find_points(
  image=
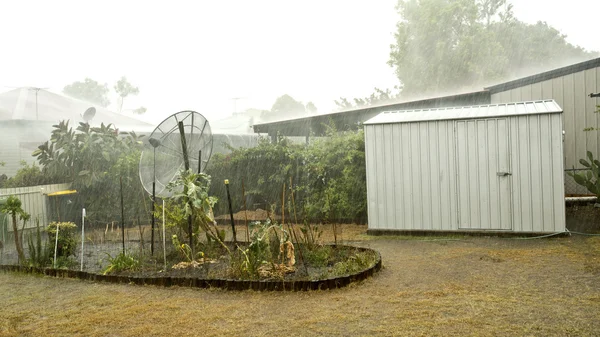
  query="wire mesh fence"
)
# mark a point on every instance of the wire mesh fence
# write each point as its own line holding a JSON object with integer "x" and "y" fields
{"x": 105, "y": 238}
{"x": 572, "y": 188}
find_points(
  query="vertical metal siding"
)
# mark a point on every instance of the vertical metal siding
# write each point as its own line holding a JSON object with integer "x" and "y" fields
{"x": 412, "y": 174}
{"x": 371, "y": 179}
{"x": 570, "y": 92}
{"x": 538, "y": 188}
{"x": 33, "y": 200}
{"x": 591, "y": 138}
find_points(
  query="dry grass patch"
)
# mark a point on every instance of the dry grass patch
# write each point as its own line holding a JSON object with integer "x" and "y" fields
{"x": 539, "y": 288}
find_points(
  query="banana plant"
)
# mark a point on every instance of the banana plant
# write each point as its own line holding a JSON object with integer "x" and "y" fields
{"x": 590, "y": 179}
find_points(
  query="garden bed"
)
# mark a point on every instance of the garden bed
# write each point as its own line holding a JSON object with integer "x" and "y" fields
{"x": 335, "y": 271}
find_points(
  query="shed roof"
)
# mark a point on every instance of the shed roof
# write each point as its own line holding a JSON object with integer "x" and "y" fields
{"x": 468, "y": 112}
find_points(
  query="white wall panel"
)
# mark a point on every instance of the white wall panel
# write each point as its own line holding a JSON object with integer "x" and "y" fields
{"x": 571, "y": 93}
{"x": 33, "y": 200}
{"x": 413, "y": 172}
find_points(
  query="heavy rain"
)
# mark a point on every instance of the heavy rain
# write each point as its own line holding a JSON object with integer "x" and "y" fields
{"x": 393, "y": 167}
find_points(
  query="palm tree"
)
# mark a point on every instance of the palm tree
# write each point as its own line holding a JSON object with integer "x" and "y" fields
{"x": 13, "y": 207}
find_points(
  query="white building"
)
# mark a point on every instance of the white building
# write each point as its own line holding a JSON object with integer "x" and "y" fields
{"x": 494, "y": 168}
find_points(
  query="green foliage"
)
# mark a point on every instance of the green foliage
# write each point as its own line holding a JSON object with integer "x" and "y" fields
{"x": 184, "y": 250}
{"x": 13, "y": 208}
{"x": 378, "y": 97}
{"x": 264, "y": 169}
{"x": 319, "y": 256}
{"x": 29, "y": 176}
{"x": 94, "y": 159}
{"x": 329, "y": 176}
{"x": 286, "y": 105}
{"x": 39, "y": 255}
{"x": 263, "y": 248}
{"x": 67, "y": 241}
{"x": 122, "y": 262}
{"x": 590, "y": 179}
{"x": 311, "y": 235}
{"x": 446, "y": 45}
{"x": 88, "y": 90}
{"x": 355, "y": 263}
{"x": 335, "y": 189}
{"x": 123, "y": 88}
{"x": 191, "y": 193}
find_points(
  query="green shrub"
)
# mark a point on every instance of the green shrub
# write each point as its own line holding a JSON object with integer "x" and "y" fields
{"x": 319, "y": 256}
{"x": 329, "y": 176}
{"x": 122, "y": 262}
{"x": 39, "y": 256}
{"x": 67, "y": 242}
{"x": 355, "y": 263}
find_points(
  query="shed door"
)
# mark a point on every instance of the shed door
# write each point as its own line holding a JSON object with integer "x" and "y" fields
{"x": 484, "y": 176}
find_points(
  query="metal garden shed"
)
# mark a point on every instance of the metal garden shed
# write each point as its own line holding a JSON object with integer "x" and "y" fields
{"x": 493, "y": 168}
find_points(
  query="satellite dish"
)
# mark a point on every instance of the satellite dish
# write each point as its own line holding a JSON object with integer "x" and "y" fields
{"x": 89, "y": 114}
{"x": 163, "y": 157}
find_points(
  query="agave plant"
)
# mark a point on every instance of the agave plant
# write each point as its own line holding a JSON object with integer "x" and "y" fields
{"x": 591, "y": 177}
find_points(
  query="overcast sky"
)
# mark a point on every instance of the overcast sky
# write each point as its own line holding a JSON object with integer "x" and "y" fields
{"x": 200, "y": 55}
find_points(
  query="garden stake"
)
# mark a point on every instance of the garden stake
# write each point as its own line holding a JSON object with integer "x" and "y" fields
{"x": 82, "y": 236}
{"x": 199, "y": 161}
{"x": 164, "y": 239}
{"x": 283, "y": 204}
{"x": 294, "y": 236}
{"x": 245, "y": 212}
{"x": 122, "y": 214}
{"x": 293, "y": 203}
{"x": 329, "y": 218}
{"x": 186, "y": 162}
{"x": 153, "y": 219}
{"x": 230, "y": 211}
{"x": 56, "y": 243}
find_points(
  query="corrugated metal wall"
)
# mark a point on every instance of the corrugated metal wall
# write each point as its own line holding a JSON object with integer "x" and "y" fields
{"x": 414, "y": 183}
{"x": 571, "y": 93}
{"x": 33, "y": 200}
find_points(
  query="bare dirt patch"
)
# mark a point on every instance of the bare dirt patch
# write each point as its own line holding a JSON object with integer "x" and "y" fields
{"x": 429, "y": 287}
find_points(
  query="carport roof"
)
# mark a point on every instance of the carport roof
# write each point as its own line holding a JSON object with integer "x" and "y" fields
{"x": 467, "y": 112}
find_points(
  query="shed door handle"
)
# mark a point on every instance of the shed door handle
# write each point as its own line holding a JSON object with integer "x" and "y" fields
{"x": 504, "y": 174}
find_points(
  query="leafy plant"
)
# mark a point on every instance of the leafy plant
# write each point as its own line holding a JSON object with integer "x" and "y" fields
{"x": 354, "y": 263}
{"x": 311, "y": 235}
{"x": 191, "y": 193}
{"x": 591, "y": 177}
{"x": 269, "y": 245}
{"x": 13, "y": 207}
{"x": 184, "y": 250}
{"x": 328, "y": 174}
{"x": 39, "y": 256}
{"x": 94, "y": 159}
{"x": 319, "y": 256}
{"x": 121, "y": 262}
{"x": 67, "y": 242}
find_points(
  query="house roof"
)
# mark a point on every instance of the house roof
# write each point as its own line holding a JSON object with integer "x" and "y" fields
{"x": 22, "y": 104}
{"x": 468, "y": 112}
{"x": 548, "y": 75}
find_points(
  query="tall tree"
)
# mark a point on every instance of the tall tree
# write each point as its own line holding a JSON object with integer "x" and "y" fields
{"x": 379, "y": 96}
{"x": 287, "y": 104}
{"x": 123, "y": 88}
{"x": 446, "y": 45}
{"x": 13, "y": 208}
{"x": 311, "y": 107}
{"x": 88, "y": 90}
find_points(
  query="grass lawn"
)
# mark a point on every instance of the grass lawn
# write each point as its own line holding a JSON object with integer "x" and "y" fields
{"x": 429, "y": 287}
